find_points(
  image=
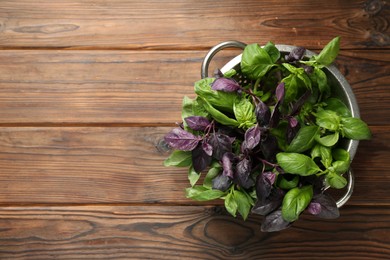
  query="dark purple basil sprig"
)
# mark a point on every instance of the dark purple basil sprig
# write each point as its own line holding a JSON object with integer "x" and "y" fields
{"x": 203, "y": 147}
{"x": 256, "y": 141}
{"x": 226, "y": 85}
{"x": 323, "y": 206}
{"x": 276, "y": 114}
{"x": 197, "y": 123}
{"x": 201, "y": 158}
{"x": 296, "y": 54}
{"x": 274, "y": 221}
{"x": 182, "y": 140}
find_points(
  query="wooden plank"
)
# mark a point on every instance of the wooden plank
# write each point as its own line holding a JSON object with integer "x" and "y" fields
{"x": 188, "y": 25}
{"x": 94, "y": 87}
{"x": 156, "y": 232}
{"x": 76, "y": 165}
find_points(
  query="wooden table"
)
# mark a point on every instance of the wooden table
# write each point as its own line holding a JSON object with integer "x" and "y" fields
{"x": 88, "y": 89}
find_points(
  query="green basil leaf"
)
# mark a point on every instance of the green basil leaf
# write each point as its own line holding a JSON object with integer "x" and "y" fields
{"x": 337, "y": 106}
{"x": 325, "y": 153}
{"x": 355, "y": 128}
{"x": 329, "y": 52}
{"x": 328, "y": 120}
{"x": 341, "y": 155}
{"x": 304, "y": 139}
{"x": 243, "y": 203}
{"x": 342, "y": 163}
{"x": 296, "y": 163}
{"x": 305, "y": 79}
{"x": 291, "y": 84}
{"x": 255, "y": 62}
{"x": 179, "y": 159}
{"x": 299, "y": 77}
{"x": 221, "y": 100}
{"x": 285, "y": 184}
{"x": 322, "y": 80}
{"x": 198, "y": 108}
{"x": 340, "y": 167}
{"x": 201, "y": 193}
{"x": 219, "y": 116}
{"x": 213, "y": 172}
{"x": 328, "y": 140}
{"x": 193, "y": 176}
{"x": 292, "y": 69}
{"x": 244, "y": 113}
{"x": 186, "y": 108}
{"x": 230, "y": 73}
{"x": 272, "y": 51}
{"x": 231, "y": 204}
{"x": 335, "y": 180}
{"x": 295, "y": 202}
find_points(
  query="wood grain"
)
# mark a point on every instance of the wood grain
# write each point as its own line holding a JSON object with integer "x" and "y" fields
{"x": 155, "y": 232}
{"x": 77, "y": 165}
{"x": 88, "y": 89}
{"x": 192, "y": 24}
{"x": 96, "y": 87}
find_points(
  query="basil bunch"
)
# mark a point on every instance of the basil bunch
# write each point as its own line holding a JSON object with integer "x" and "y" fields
{"x": 268, "y": 143}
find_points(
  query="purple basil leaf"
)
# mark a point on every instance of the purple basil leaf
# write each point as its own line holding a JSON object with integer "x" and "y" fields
{"x": 225, "y": 84}
{"x": 329, "y": 208}
{"x": 221, "y": 144}
{"x": 200, "y": 159}
{"x": 243, "y": 172}
{"x": 197, "y": 123}
{"x": 270, "y": 176}
{"x": 274, "y": 222}
{"x": 207, "y": 148}
{"x": 292, "y": 129}
{"x": 314, "y": 208}
{"x": 263, "y": 187}
{"x": 263, "y": 113}
{"x": 296, "y": 54}
{"x": 279, "y": 92}
{"x": 227, "y": 165}
{"x": 298, "y": 105}
{"x": 293, "y": 122}
{"x": 182, "y": 140}
{"x": 269, "y": 147}
{"x": 221, "y": 182}
{"x": 252, "y": 137}
{"x": 275, "y": 117}
{"x": 270, "y": 204}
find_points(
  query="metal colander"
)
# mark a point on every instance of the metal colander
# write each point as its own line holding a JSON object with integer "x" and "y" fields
{"x": 340, "y": 89}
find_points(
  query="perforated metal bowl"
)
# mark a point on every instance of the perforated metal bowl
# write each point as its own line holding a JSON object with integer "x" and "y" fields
{"x": 340, "y": 89}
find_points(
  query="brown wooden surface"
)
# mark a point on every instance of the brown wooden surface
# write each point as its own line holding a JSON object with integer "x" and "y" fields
{"x": 89, "y": 88}
{"x": 123, "y": 164}
{"x": 76, "y": 87}
{"x": 186, "y": 232}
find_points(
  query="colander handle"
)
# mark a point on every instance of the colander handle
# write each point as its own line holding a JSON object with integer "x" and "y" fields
{"x": 215, "y": 50}
{"x": 348, "y": 193}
